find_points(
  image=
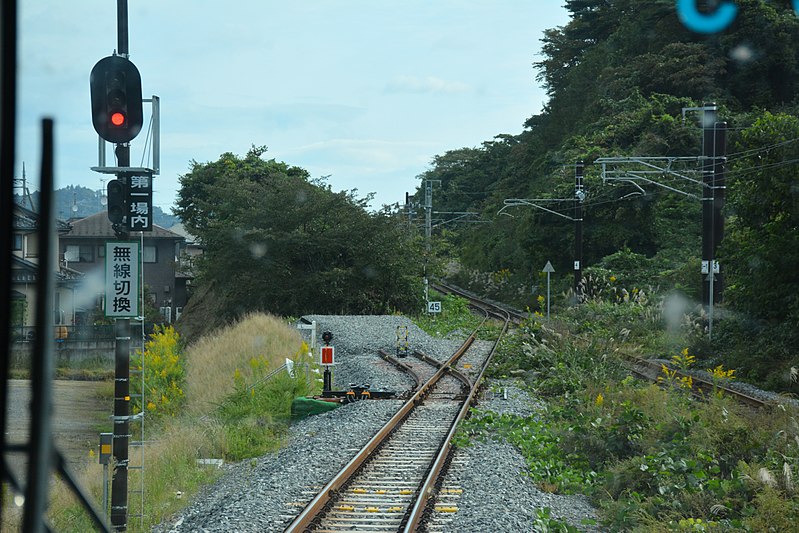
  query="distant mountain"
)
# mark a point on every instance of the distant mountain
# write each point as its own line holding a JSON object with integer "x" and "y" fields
{"x": 77, "y": 202}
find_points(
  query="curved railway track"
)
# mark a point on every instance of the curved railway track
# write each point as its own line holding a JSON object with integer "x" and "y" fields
{"x": 389, "y": 484}
{"x": 700, "y": 386}
{"x": 645, "y": 369}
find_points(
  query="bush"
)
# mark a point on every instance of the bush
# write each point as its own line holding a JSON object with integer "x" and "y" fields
{"x": 255, "y": 417}
{"x": 163, "y": 373}
{"x": 455, "y": 315}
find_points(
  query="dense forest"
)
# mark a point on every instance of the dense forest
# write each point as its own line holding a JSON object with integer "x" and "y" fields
{"x": 624, "y": 79}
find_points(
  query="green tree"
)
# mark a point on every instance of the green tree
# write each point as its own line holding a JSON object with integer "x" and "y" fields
{"x": 275, "y": 240}
{"x": 761, "y": 247}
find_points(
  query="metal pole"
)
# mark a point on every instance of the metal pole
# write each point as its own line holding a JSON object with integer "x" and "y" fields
{"x": 119, "y": 482}
{"x": 711, "y": 277}
{"x": 122, "y": 28}
{"x": 40, "y": 442}
{"x": 708, "y": 167}
{"x": 579, "y": 196}
{"x": 719, "y": 186}
{"x": 428, "y": 212}
{"x": 156, "y": 108}
{"x": 100, "y": 151}
{"x": 548, "y": 298}
{"x": 8, "y": 93}
{"x": 105, "y": 490}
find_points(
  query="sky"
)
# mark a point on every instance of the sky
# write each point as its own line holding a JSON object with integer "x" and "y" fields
{"x": 365, "y": 92}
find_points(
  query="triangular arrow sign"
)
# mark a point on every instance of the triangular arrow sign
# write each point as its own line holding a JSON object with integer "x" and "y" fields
{"x": 548, "y": 268}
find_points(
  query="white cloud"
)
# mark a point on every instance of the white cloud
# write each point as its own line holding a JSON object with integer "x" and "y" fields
{"x": 430, "y": 84}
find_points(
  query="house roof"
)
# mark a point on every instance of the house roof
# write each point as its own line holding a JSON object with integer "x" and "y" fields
{"x": 98, "y": 225}
{"x": 23, "y": 270}
{"x": 26, "y": 220}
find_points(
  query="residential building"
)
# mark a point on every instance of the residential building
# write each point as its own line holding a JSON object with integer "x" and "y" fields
{"x": 25, "y": 272}
{"x": 190, "y": 251}
{"x": 83, "y": 249}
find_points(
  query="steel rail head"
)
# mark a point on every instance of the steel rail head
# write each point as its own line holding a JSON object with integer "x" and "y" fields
{"x": 321, "y": 500}
{"x": 402, "y": 366}
{"x": 426, "y": 490}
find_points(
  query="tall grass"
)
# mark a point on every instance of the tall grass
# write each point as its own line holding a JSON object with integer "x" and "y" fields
{"x": 213, "y": 362}
{"x": 230, "y": 412}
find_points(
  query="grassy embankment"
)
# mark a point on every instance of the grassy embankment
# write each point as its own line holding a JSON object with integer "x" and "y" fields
{"x": 210, "y": 400}
{"x": 652, "y": 459}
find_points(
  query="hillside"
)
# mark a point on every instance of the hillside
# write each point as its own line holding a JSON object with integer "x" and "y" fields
{"x": 624, "y": 79}
{"x": 74, "y": 201}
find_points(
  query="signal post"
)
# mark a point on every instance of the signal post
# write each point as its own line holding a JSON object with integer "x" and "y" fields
{"x": 117, "y": 116}
{"x": 328, "y": 354}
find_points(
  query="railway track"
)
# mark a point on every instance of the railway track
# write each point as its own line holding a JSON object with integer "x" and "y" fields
{"x": 642, "y": 368}
{"x": 494, "y": 308}
{"x": 390, "y": 484}
{"x": 700, "y": 386}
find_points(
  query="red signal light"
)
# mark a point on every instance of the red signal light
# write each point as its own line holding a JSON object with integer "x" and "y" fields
{"x": 117, "y": 119}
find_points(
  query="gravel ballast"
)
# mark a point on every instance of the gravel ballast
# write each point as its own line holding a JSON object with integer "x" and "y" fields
{"x": 264, "y": 493}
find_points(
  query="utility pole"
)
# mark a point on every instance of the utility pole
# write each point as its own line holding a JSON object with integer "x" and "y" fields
{"x": 719, "y": 188}
{"x": 428, "y": 229}
{"x": 579, "y": 198}
{"x": 119, "y": 481}
{"x": 714, "y": 145}
{"x": 713, "y": 177}
{"x": 428, "y": 211}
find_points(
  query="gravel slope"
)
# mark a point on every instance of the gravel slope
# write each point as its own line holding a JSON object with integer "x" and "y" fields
{"x": 263, "y": 494}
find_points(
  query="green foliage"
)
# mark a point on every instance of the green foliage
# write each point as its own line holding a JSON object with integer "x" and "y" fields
{"x": 276, "y": 240}
{"x": 548, "y": 465}
{"x": 762, "y": 245}
{"x": 163, "y": 370}
{"x": 256, "y": 416}
{"x": 760, "y": 251}
{"x": 544, "y": 523}
{"x": 652, "y": 459}
{"x": 619, "y": 75}
{"x": 455, "y": 316}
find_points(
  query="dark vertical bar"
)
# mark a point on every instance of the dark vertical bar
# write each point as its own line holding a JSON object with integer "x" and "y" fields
{"x": 579, "y": 196}
{"x": 122, "y": 28}
{"x": 8, "y": 93}
{"x": 40, "y": 444}
{"x": 708, "y": 153}
{"x": 719, "y": 186}
{"x": 119, "y": 482}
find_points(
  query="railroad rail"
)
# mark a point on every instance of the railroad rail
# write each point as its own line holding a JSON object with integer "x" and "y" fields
{"x": 494, "y": 308}
{"x": 642, "y": 368}
{"x": 700, "y": 386}
{"x": 391, "y": 481}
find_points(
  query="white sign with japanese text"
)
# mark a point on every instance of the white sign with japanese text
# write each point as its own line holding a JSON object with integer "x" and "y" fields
{"x": 122, "y": 279}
